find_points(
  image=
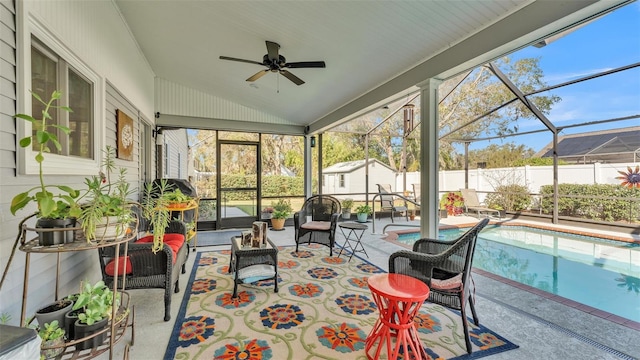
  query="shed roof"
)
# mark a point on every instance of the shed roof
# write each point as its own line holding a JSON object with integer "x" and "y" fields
{"x": 350, "y": 166}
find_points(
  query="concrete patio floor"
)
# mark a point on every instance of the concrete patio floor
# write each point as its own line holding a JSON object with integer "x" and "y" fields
{"x": 543, "y": 328}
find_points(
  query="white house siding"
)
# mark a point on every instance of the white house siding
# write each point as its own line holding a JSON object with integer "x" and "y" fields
{"x": 178, "y": 154}
{"x": 176, "y": 99}
{"x": 97, "y": 35}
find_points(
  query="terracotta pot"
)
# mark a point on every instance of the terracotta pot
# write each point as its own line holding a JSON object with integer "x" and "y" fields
{"x": 277, "y": 224}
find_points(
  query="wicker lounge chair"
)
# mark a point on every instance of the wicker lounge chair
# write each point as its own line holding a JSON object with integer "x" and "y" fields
{"x": 323, "y": 212}
{"x": 445, "y": 266}
{"x": 471, "y": 203}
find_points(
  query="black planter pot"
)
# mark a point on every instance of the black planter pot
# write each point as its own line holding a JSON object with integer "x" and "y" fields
{"x": 54, "y": 311}
{"x": 48, "y": 238}
{"x": 84, "y": 330}
{"x": 69, "y": 324}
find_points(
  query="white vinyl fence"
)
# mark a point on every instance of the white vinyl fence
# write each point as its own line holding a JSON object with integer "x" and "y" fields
{"x": 486, "y": 180}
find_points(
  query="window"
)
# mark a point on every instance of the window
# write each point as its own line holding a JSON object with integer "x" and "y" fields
{"x": 341, "y": 181}
{"x": 50, "y": 72}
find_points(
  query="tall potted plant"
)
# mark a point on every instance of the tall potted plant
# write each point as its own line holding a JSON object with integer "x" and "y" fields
{"x": 155, "y": 202}
{"x": 281, "y": 211}
{"x": 55, "y": 210}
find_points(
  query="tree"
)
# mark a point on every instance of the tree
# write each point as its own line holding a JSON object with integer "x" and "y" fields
{"x": 498, "y": 156}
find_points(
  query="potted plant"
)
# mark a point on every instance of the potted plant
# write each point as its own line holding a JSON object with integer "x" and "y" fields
{"x": 281, "y": 211}
{"x": 95, "y": 303}
{"x": 412, "y": 214}
{"x": 267, "y": 213}
{"x": 452, "y": 202}
{"x": 176, "y": 199}
{"x": 52, "y": 340}
{"x": 347, "y": 204}
{"x": 55, "y": 210}
{"x": 107, "y": 214}
{"x": 54, "y": 312}
{"x": 362, "y": 212}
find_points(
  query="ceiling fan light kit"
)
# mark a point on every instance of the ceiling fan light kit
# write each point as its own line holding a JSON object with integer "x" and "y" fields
{"x": 278, "y": 64}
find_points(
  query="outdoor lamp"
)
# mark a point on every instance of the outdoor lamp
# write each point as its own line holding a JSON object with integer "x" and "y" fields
{"x": 313, "y": 141}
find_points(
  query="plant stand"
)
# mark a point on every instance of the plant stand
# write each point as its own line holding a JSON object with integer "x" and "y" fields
{"x": 192, "y": 232}
{"x": 122, "y": 317}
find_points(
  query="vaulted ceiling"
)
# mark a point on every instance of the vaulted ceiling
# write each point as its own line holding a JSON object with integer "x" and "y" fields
{"x": 374, "y": 50}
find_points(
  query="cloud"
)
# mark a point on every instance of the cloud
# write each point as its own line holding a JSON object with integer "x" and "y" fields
{"x": 554, "y": 79}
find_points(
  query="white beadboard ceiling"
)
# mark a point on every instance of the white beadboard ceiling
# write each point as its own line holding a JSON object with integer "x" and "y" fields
{"x": 366, "y": 45}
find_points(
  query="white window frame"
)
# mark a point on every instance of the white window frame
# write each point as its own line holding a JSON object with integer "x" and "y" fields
{"x": 56, "y": 164}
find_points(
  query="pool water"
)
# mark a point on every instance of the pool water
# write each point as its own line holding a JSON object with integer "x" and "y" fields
{"x": 600, "y": 273}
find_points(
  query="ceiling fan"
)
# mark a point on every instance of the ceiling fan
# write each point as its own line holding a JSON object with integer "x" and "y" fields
{"x": 277, "y": 63}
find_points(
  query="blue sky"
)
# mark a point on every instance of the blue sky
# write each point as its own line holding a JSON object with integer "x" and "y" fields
{"x": 609, "y": 42}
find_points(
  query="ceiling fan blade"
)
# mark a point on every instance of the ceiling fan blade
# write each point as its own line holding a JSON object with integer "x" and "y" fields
{"x": 241, "y": 60}
{"x": 292, "y": 77}
{"x": 272, "y": 50}
{"x": 258, "y": 75}
{"x": 305, "y": 64}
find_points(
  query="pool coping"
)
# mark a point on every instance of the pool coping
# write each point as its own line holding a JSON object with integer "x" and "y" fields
{"x": 393, "y": 235}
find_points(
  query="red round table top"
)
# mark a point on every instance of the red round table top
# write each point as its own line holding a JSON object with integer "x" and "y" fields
{"x": 398, "y": 286}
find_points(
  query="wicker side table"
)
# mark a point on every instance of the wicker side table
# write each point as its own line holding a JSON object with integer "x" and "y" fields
{"x": 242, "y": 258}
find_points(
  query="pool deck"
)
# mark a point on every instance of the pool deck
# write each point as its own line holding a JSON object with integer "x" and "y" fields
{"x": 545, "y": 326}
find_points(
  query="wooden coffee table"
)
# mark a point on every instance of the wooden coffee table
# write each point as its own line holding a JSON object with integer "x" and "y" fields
{"x": 246, "y": 258}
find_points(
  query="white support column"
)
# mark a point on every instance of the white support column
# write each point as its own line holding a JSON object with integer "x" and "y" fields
{"x": 429, "y": 158}
{"x": 307, "y": 166}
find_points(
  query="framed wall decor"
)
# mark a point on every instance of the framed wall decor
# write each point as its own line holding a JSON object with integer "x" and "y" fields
{"x": 125, "y": 136}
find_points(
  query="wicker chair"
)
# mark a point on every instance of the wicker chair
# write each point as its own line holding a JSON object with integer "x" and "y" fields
{"x": 323, "y": 212}
{"x": 445, "y": 266}
{"x": 146, "y": 269}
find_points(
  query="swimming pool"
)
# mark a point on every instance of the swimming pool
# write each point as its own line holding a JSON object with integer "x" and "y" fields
{"x": 600, "y": 273}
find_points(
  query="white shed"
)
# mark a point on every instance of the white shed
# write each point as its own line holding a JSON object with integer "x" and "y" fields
{"x": 349, "y": 177}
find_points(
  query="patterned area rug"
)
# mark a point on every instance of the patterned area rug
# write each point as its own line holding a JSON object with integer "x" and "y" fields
{"x": 323, "y": 310}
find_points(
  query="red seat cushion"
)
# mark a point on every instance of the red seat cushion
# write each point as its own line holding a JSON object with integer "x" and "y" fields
{"x": 122, "y": 261}
{"x": 174, "y": 241}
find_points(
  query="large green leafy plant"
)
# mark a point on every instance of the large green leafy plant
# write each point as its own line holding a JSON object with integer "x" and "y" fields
{"x": 95, "y": 301}
{"x": 282, "y": 209}
{"x": 62, "y": 203}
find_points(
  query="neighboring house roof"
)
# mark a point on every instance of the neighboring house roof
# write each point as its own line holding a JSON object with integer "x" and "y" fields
{"x": 349, "y": 166}
{"x": 617, "y": 145}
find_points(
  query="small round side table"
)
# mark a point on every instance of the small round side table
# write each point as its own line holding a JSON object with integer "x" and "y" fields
{"x": 398, "y": 298}
{"x": 355, "y": 234}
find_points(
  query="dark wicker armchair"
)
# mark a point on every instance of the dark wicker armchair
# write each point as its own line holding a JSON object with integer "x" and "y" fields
{"x": 323, "y": 212}
{"x": 146, "y": 270}
{"x": 445, "y": 266}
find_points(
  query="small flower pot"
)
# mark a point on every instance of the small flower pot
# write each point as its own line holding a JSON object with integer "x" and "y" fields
{"x": 57, "y": 236}
{"x": 54, "y": 311}
{"x": 277, "y": 224}
{"x": 362, "y": 217}
{"x": 346, "y": 214}
{"x": 84, "y": 330}
{"x": 57, "y": 346}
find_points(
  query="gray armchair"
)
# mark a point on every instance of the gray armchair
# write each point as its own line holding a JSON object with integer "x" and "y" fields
{"x": 445, "y": 266}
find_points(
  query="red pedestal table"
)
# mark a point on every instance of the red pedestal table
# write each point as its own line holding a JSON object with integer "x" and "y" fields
{"x": 398, "y": 298}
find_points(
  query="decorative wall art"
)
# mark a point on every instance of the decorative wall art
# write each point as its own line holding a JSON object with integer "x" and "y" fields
{"x": 125, "y": 136}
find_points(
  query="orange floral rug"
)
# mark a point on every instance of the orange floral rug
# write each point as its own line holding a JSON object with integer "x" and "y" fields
{"x": 323, "y": 310}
